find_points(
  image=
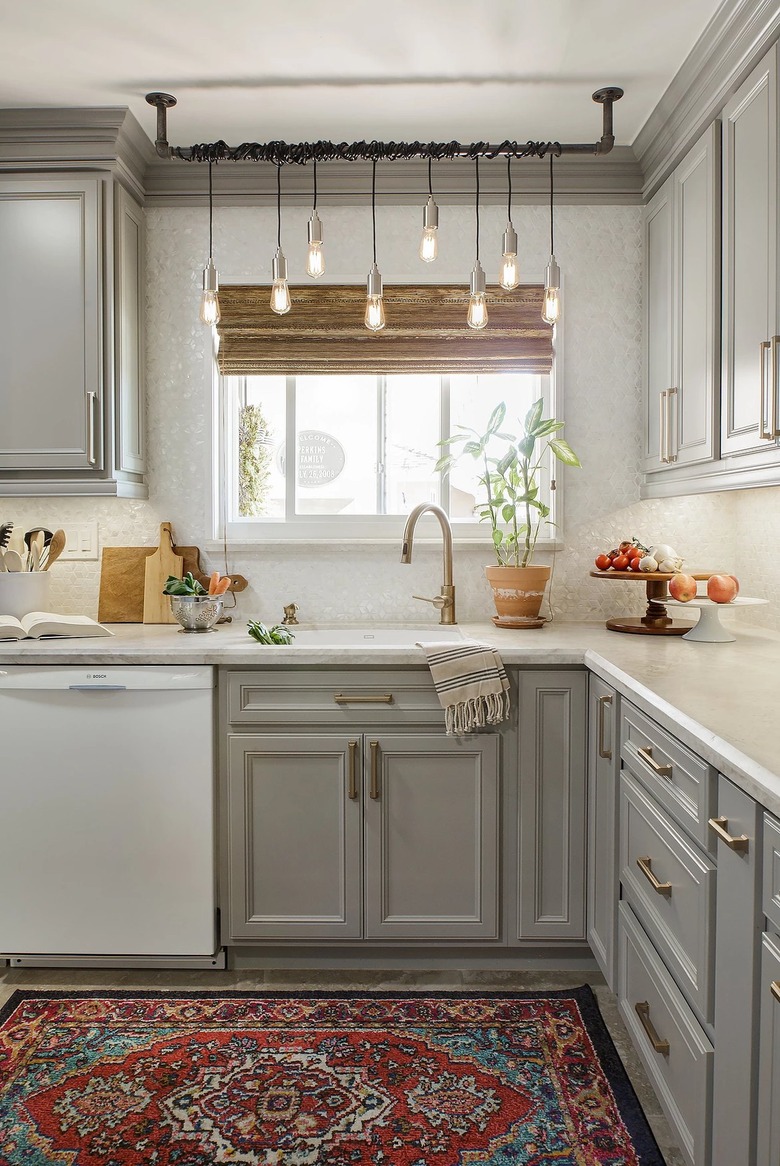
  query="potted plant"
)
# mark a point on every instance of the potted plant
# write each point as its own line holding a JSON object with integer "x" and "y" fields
{"x": 516, "y": 513}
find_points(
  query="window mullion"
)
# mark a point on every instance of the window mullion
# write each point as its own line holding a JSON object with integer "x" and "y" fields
{"x": 444, "y": 432}
{"x": 291, "y": 446}
{"x": 381, "y": 439}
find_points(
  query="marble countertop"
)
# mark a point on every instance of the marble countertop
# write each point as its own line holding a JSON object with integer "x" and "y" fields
{"x": 720, "y": 699}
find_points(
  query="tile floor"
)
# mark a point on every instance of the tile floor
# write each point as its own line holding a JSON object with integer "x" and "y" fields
{"x": 507, "y": 981}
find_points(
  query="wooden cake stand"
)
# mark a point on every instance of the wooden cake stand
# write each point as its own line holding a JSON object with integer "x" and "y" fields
{"x": 655, "y": 621}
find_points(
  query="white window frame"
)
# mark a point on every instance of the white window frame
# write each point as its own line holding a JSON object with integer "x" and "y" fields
{"x": 349, "y": 528}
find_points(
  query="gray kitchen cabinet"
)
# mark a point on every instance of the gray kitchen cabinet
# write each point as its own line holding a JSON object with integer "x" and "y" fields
{"x": 768, "y": 1124}
{"x": 293, "y": 837}
{"x": 750, "y": 409}
{"x": 682, "y": 224}
{"x": 431, "y": 808}
{"x": 551, "y": 824}
{"x": 71, "y": 340}
{"x": 603, "y": 875}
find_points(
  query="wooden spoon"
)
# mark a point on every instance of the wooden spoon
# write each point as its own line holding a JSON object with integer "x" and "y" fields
{"x": 13, "y": 561}
{"x": 55, "y": 548}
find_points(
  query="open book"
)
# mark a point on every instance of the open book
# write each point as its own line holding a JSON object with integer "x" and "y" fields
{"x": 38, "y": 624}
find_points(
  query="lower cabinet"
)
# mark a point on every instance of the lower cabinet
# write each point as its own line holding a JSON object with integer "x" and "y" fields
{"x": 364, "y": 836}
{"x": 769, "y": 1060}
{"x": 603, "y": 875}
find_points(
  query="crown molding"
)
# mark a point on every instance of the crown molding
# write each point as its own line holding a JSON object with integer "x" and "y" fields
{"x": 738, "y": 35}
{"x": 614, "y": 178}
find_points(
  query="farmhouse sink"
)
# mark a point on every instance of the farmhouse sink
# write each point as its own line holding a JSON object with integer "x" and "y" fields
{"x": 375, "y": 637}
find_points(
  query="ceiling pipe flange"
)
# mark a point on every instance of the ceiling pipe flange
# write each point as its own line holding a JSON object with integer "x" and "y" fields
{"x": 162, "y": 103}
{"x": 607, "y": 97}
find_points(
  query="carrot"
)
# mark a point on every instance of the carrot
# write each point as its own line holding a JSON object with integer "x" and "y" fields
{"x": 223, "y": 585}
{"x": 213, "y": 583}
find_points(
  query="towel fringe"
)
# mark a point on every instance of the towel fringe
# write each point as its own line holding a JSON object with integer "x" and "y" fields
{"x": 469, "y": 715}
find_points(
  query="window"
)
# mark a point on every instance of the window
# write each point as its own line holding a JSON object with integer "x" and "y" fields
{"x": 325, "y": 457}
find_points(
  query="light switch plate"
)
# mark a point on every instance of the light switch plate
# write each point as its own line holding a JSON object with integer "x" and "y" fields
{"x": 82, "y": 541}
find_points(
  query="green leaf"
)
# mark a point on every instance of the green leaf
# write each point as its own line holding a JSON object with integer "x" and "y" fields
{"x": 508, "y": 512}
{"x": 496, "y": 417}
{"x": 534, "y": 416}
{"x": 506, "y": 436}
{"x": 498, "y": 537}
{"x": 444, "y": 463}
{"x": 564, "y": 452}
{"x": 451, "y": 440}
{"x": 475, "y": 448}
{"x": 507, "y": 461}
{"x": 547, "y": 427}
{"x": 525, "y": 447}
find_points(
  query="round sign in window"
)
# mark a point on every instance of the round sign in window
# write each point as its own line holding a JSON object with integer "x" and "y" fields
{"x": 321, "y": 458}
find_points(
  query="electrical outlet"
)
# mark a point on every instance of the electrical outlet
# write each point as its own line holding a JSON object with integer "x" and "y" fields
{"x": 82, "y": 541}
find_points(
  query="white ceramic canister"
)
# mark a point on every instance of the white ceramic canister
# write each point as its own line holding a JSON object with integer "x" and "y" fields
{"x": 24, "y": 591}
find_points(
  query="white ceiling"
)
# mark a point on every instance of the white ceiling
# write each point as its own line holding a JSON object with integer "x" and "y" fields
{"x": 348, "y": 69}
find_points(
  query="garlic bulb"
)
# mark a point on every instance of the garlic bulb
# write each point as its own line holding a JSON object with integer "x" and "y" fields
{"x": 648, "y": 563}
{"x": 663, "y": 551}
{"x": 670, "y": 566}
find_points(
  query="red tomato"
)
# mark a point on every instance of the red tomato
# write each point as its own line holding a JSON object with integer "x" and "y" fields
{"x": 603, "y": 562}
{"x": 620, "y": 563}
{"x": 634, "y": 563}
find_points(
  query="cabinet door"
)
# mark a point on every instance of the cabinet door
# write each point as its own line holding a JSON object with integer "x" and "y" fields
{"x": 750, "y": 208}
{"x": 431, "y": 837}
{"x": 696, "y": 184}
{"x": 51, "y": 324}
{"x": 659, "y": 317}
{"x": 603, "y": 876}
{"x": 551, "y": 801}
{"x": 293, "y": 842}
{"x": 769, "y": 1060}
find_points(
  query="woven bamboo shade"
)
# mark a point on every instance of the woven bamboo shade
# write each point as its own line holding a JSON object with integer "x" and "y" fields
{"x": 426, "y": 332}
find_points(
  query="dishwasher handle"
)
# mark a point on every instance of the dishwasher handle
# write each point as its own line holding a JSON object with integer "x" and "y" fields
{"x": 97, "y": 688}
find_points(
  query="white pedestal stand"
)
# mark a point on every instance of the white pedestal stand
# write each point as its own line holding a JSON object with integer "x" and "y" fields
{"x": 709, "y": 629}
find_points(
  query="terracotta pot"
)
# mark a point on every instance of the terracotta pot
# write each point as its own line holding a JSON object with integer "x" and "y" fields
{"x": 518, "y": 592}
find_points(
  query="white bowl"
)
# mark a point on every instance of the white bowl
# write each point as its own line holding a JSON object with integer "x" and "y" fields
{"x": 24, "y": 591}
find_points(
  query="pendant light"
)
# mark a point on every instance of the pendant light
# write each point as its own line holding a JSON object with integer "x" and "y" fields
{"x": 551, "y": 309}
{"x": 209, "y": 300}
{"x": 280, "y": 292}
{"x": 429, "y": 244}
{"x": 375, "y": 305}
{"x": 477, "y": 314}
{"x": 508, "y": 276}
{"x": 315, "y": 260}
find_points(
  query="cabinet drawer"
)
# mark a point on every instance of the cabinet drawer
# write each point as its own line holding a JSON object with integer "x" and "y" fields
{"x": 769, "y": 1056}
{"x": 671, "y": 1043}
{"x": 771, "y": 873}
{"x": 683, "y": 783}
{"x": 332, "y": 698}
{"x": 671, "y": 886}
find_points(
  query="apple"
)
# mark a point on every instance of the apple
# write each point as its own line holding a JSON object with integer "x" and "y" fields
{"x": 682, "y": 587}
{"x": 722, "y": 588}
{"x": 736, "y": 580}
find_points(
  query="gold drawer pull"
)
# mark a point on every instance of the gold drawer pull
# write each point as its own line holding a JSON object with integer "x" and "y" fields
{"x": 660, "y": 770}
{"x": 353, "y": 793}
{"x": 775, "y": 989}
{"x": 643, "y": 1012}
{"x": 719, "y": 826}
{"x": 363, "y": 698}
{"x": 374, "y": 747}
{"x": 767, "y": 431}
{"x": 647, "y": 871}
{"x": 603, "y": 751}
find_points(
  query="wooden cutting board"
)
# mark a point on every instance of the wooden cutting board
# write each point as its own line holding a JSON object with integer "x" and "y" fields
{"x": 158, "y": 567}
{"x": 122, "y": 571}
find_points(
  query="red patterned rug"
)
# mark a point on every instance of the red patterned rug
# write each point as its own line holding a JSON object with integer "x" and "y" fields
{"x": 319, "y": 1079}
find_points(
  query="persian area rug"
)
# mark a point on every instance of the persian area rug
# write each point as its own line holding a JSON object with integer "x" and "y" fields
{"x": 320, "y": 1079}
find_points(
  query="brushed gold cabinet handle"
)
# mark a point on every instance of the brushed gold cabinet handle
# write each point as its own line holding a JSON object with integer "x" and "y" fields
{"x": 766, "y": 429}
{"x": 662, "y": 427}
{"x": 774, "y": 988}
{"x": 603, "y": 702}
{"x": 647, "y": 756}
{"x": 720, "y": 826}
{"x": 353, "y": 792}
{"x": 647, "y": 871}
{"x": 363, "y": 698}
{"x": 374, "y": 747}
{"x": 642, "y": 1010}
{"x": 92, "y": 428}
{"x": 773, "y": 419}
{"x": 670, "y": 457}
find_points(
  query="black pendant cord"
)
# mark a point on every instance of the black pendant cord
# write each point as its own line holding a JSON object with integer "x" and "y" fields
{"x": 373, "y": 206}
{"x": 211, "y": 216}
{"x": 315, "y": 185}
{"x": 283, "y": 153}
{"x": 476, "y": 202}
{"x": 430, "y": 183}
{"x": 279, "y": 206}
{"x": 509, "y": 188}
{"x": 552, "y": 220}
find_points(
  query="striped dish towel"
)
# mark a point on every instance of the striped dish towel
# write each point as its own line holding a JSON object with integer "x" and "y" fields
{"x": 471, "y": 683}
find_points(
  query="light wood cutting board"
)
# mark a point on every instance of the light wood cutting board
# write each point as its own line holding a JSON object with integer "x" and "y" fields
{"x": 122, "y": 571}
{"x": 157, "y": 568}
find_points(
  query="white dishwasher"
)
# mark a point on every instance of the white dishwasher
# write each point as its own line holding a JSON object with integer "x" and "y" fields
{"x": 107, "y": 817}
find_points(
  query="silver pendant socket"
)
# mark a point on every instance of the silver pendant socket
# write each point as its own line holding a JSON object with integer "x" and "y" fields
{"x": 477, "y": 282}
{"x": 430, "y": 215}
{"x": 552, "y": 275}
{"x": 315, "y": 228}
{"x": 279, "y": 266}
{"x": 210, "y": 277}
{"x": 510, "y": 240}
{"x": 374, "y": 282}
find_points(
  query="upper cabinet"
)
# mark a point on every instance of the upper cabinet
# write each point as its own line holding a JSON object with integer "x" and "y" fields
{"x": 681, "y": 311}
{"x": 71, "y": 357}
{"x": 750, "y": 265}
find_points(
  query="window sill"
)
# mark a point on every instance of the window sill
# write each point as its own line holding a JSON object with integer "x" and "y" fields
{"x": 215, "y": 546}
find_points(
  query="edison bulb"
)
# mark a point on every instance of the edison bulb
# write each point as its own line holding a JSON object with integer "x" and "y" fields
{"x": 509, "y": 276}
{"x": 375, "y": 313}
{"x": 280, "y": 297}
{"x": 478, "y": 314}
{"x": 429, "y": 244}
{"x": 209, "y": 308}
{"x": 315, "y": 261}
{"x": 551, "y": 306}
